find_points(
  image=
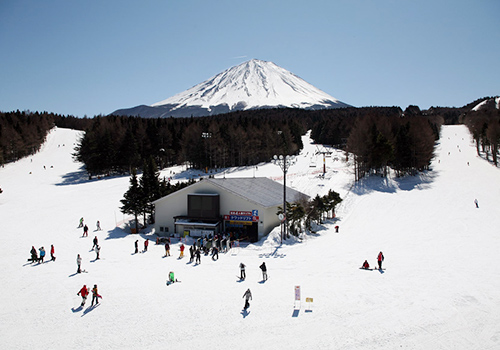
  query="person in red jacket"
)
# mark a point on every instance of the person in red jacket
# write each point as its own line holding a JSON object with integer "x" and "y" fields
{"x": 366, "y": 266}
{"x": 380, "y": 258}
{"x": 84, "y": 292}
{"x": 52, "y": 251}
{"x": 182, "y": 251}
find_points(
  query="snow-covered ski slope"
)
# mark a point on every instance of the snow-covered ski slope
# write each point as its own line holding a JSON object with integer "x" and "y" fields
{"x": 440, "y": 289}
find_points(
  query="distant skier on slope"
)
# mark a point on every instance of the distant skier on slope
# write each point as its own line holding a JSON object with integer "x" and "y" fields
{"x": 365, "y": 266}
{"x": 380, "y": 258}
{"x": 96, "y": 241}
{"x": 247, "y": 296}
{"x": 84, "y": 292}
{"x": 136, "y": 244}
{"x": 182, "y": 251}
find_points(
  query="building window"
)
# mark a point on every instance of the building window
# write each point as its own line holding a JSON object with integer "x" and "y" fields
{"x": 162, "y": 229}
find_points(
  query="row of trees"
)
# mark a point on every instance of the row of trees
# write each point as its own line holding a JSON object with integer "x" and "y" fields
{"x": 22, "y": 134}
{"x": 117, "y": 144}
{"x": 303, "y": 213}
{"x": 484, "y": 125}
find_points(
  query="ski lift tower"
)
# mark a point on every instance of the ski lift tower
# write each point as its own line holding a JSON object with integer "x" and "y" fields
{"x": 284, "y": 162}
{"x": 324, "y": 152}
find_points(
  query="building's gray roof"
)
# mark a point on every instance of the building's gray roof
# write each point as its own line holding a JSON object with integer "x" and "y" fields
{"x": 260, "y": 190}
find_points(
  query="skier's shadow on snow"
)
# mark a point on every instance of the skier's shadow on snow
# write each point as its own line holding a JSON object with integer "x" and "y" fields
{"x": 78, "y": 309}
{"x": 90, "y": 308}
{"x": 245, "y": 313}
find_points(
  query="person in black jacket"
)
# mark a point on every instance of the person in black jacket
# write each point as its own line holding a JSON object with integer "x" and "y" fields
{"x": 264, "y": 271}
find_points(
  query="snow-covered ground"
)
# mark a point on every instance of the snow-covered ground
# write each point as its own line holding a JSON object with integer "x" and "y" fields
{"x": 440, "y": 289}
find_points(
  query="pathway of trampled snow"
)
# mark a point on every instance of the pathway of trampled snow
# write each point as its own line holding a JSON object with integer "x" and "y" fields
{"x": 441, "y": 289}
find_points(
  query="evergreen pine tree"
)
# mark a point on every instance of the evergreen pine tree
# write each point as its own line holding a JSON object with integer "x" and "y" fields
{"x": 133, "y": 202}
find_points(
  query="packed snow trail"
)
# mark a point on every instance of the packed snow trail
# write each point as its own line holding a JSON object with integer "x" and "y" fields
{"x": 440, "y": 290}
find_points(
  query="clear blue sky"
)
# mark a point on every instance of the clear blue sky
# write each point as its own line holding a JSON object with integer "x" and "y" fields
{"x": 93, "y": 57}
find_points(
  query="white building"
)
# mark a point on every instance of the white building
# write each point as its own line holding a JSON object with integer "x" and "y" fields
{"x": 246, "y": 207}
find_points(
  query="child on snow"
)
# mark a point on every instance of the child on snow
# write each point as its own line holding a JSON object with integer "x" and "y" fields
{"x": 365, "y": 266}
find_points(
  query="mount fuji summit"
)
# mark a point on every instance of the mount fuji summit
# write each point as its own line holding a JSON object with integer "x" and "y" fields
{"x": 254, "y": 84}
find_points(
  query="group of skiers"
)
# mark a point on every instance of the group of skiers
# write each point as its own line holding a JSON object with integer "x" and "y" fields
{"x": 39, "y": 259}
{"x": 262, "y": 267}
{"x": 380, "y": 259}
{"x": 84, "y": 292}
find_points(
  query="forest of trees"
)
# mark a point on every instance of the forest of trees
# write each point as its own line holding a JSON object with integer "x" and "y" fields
{"x": 484, "y": 125}
{"x": 377, "y": 137}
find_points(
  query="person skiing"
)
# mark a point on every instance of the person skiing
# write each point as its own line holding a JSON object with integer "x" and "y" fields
{"x": 247, "y": 296}
{"x": 95, "y": 295}
{"x": 52, "y": 251}
{"x": 34, "y": 254}
{"x": 182, "y": 251}
{"x": 365, "y": 266}
{"x": 136, "y": 244}
{"x": 85, "y": 231}
{"x": 167, "y": 249}
{"x": 81, "y": 222}
{"x": 98, "y": 226}
{"x": 380, "y": 258}
{"x": 146, "y": 243}
{"x": 476, "y": 203}
{"x": 264, "y": 271}
{"x": 96, "y": 241}
{"x": 42, "y": 254}
{"x": 79, "y": 263}
{"x": 97, "y": 251}
{"x": 84, "y": 292}
{"x": 242, "y": 271}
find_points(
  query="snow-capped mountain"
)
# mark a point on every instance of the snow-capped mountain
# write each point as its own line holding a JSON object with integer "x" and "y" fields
{"x": 251, "y": 85}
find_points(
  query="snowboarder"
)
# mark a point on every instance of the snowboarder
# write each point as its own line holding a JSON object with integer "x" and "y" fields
{"x": 42, "y": 254}
{"x": 85, "y": 231}
{"x": 79, "y": 263}
{"x": 242, "y": 271}
{"x": 182, "y": 251}
{"x": 52, "y": 251}
{"x": 97, "y": 251}
{"x": 476, "y": 203}
{"x": 84, "y": 292}
{"x": 247, "y": 296}
{"x": 167, "y": 249}
{"x": 81, "y": 223}
{"x": 136, "y": 244}
{"x": 264, "y": 271}
{"x": 98, "y": 226}
{"x": 337, "y": 229}
{"x": 95, "y": 295}
{"x": 198, "y": 256}
{"x": 34, "y": 254}
{"x": 95, "y": 242}
{"x": 365, "y": 266}
{"x": 380, "y": 258}
{"x": 146, "y": 243}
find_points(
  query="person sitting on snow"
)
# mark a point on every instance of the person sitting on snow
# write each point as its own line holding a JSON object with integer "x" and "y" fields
{"x": 366, "y": 266}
